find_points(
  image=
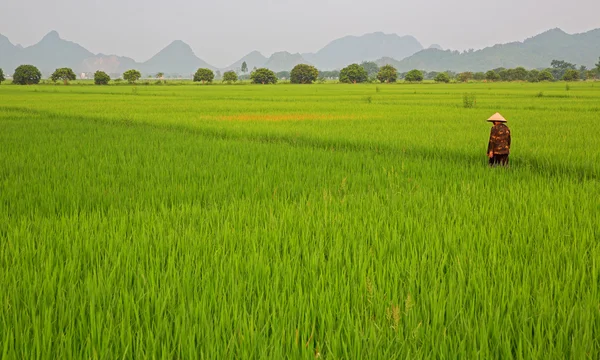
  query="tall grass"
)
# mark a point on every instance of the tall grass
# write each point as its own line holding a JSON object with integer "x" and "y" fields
{"x": 296, "y": 222}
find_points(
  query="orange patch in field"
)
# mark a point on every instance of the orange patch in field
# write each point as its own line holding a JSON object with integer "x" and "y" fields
{"x": 283, "y": 117}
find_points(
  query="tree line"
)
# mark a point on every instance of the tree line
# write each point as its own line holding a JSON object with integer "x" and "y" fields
{"x": 354, "y": 73}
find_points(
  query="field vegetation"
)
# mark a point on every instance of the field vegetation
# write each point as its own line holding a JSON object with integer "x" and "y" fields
{"x": 298, "y": 221}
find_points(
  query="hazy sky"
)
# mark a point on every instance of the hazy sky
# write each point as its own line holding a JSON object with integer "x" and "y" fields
{"x": 221, "y": 32}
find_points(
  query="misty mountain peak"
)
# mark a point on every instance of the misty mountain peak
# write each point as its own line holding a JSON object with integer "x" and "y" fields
{"x": 52, "y": 35}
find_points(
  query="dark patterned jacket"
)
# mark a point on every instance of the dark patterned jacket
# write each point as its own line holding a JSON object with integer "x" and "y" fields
{"x": 499, "y": 140}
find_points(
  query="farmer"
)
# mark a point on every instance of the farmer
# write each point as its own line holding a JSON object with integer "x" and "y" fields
{"x": 499, "y": 145}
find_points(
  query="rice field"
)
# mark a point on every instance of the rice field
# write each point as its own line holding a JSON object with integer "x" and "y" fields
{"x": 325, "y": 221}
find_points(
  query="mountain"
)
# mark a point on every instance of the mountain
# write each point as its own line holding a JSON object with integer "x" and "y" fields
{"x": 535, "y": 52}
{"x": 436, "y": 46}
{"x": 253, "y": 59}
{"x": 355, "y": 49}
{"x": 110, "y": 64}
{"x": 52, "y": 52}
{"x": 283, "y": 61}
{"x": 8, "y": 54}
{"x": 177, "y": 57}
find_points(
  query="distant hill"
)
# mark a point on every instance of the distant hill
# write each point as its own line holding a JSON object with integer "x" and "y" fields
{"x": 253, "y": 59}
{"x": 177, "y": 57}
{"x": 355, "y": 49}
{"x": 403, "y": 52}
{"x": 535, "y": 52}
{"x": 284, "y": 61}
{"x": 52, "y": 52}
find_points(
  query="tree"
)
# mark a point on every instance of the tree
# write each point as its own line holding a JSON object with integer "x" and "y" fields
{"x": 571, "y": 75}
{"x": 204, "y": 75}
{"x": 464, "y": 76}
{"x": 387, "y": 74}
{"x": 101, "y": 78}
{"x": 334, "y": 74}
{"x": 64, "y": 74}
{"x": 160, "y": 75}
{"x": 353, "y": 74}
{"x": 519, "y": 73}
{"x": 492, "y": 76}
{"x": 504, "y": 75}
{"x": 26, "y": 75}
{"x": 533, "y": 75}
{"x": 582, "y": 72}
{"x": 598, "y": 66}
{"x": 263, "y": 76}
{"x": 230, "y": 76}
{"x": 560, "y": 67}
{"x": 414, "y": 76}
{"x": 244, "y": 67}
{"x": 282, "y": 75}
{"x": 442, "y": 78}
{"x": 217, "y": 74}
{"x": 304, "y": 74}
{"x": 479, "y": 76}
{"x": 545, "y": 75}
{"x": 132, "y": 76}
{"x": 2, "y": 78}
{"x": 371, "y": 68}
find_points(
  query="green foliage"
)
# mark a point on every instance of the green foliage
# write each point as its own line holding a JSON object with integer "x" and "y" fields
{"x": 442, "y": 78}
{"x": 353, "y": 73}
{"x": 2, "y": 78}
{"x": 160, "y": 75}
{"x": 64, "y": 74}
{"x": 545, "y": 75}
{"x": 504, "y": 75}
{"x": 101, "y": 78}
{"x": 230, "y": 76}
{"x": 492, "y": 76}
{"x": 598, "y": 66}
{"x": 464, "y": 76}
{"x": 533, "y": 75}
{"x": 244, "y": 67}
{"x": 387, "y": 74}
{"x": 371, "y": 68}
{"x": 26, "y": 75}
{"x": 519, "y": 74}
{"x": 479, "y": 76}
{"x": 283, "y": 75}
{"x": 334, "y": 74}
{"x": 263, "y": 76}
{"x": 469, "y": 100}
{"x": 131, "y": 76}
{"x": 571, "y": 75}
{"x": 414, "y": 76}
{"x": 204, "y": 75}
{"x": 304, "y": 74}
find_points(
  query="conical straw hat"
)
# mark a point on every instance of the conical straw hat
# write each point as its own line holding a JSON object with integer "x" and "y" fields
{"x": 497, "y": 117}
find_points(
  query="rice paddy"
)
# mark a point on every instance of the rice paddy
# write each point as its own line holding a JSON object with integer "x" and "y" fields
{"x": 324, "y": 221}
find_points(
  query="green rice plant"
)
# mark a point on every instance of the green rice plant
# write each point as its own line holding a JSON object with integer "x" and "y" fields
{"x": 469, "y": 100}
{"x": 281, "y": 222}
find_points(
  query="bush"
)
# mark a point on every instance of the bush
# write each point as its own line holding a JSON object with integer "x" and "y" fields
{"x": 64, "y": 74}
{"x": 132, "y": 76}
{"x": 533, "y": 76}
{"x": 387, "y": 74}
{"x": 469, "y": 100}
{"x": 353, "y": 74}
{"x": 27, "y": 75}
{"x": 204, "y": 75}
{"x": 464, "y": 76}
{"x": 304, "y": 74}
{"x": 230, "y": 76}
{"x": 545, "y": 76}
{"x": 414, "y": 76}
{"x": 263, "y": 76}
{"x": 492, "y": 76}
{"x": 442, "y": 78}
{"x": 571, "y": 75}
{"x": 2, "y": 78}
{"x": 101, "y": 78}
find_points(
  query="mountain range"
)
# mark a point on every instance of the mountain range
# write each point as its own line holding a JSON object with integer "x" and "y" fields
{"x": 403, "y": 52}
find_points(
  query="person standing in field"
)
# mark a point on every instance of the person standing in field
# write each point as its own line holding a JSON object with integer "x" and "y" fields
{"x": 499, "y": 145}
